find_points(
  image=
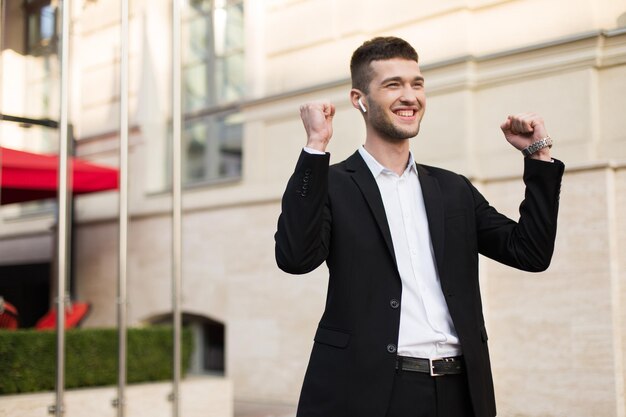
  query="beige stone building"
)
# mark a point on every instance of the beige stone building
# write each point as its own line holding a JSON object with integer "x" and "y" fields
{"x": 558, "y": 339}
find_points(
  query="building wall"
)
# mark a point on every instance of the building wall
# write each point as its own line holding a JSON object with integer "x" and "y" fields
{"x": 559, "y": 333}
{"x": 557, "y": 339}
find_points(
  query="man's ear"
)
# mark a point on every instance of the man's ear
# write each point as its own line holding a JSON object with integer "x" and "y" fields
{"x": 358, "y": 100}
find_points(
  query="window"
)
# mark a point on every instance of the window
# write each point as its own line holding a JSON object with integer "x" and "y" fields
{"x": 41, "y": 23}
{"x": 209, "y": 350}
{"x": 213, "y": 147}
{"x": 213, "y": 84}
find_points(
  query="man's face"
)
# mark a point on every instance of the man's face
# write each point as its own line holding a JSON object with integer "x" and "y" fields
{"x": 396, "y": 99}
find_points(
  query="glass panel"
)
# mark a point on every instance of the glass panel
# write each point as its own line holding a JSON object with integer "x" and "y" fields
{"x": 197, "y": 37}
{"x": 230, "y": 78}
{"x": 213, "y": 148}
{"x": 42, "y": 29}
{"x": 195, "y": 150}
{"x": 230, "y": 145}
{"x": 196, "y": 88}
{"x": 234, "y": 40}
{"x": 228, "y": 27}
{"x": 215, "y": 38}
{"x": 197, "y": 7}
{"x": 33, "y": 25}
{"x": 47, "y": 27}
{"x": 213, "y": 74}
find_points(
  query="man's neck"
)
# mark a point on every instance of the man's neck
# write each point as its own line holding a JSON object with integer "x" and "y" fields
{"x": 391, "y": 155}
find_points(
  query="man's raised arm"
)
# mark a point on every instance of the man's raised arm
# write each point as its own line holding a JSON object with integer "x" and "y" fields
{"x": 303, "y": 233}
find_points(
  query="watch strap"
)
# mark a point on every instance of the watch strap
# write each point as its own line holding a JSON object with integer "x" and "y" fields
{"x": 535, "y": 146}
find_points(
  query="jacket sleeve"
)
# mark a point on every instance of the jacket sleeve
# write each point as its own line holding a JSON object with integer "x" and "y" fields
{"x": 529, "y": 243}
{"x": 303, "y": 234}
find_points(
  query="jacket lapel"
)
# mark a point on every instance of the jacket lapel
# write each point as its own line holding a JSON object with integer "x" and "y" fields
{"x": 434, "y": 211}
{"x": 363, "y": 178}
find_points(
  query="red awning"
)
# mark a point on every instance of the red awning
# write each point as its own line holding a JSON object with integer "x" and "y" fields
{"x": 28, "y": 176}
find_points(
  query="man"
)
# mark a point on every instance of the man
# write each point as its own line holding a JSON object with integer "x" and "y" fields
{"x": 403, "y": 332}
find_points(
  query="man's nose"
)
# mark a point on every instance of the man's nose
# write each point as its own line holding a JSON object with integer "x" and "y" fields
{"x": 408, "y": 95}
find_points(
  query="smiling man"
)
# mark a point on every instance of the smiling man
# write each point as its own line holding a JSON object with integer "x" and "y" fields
{"x": 403, "y": 334}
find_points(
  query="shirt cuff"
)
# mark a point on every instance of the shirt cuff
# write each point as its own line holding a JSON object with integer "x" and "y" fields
{"x": 313, "y": 151}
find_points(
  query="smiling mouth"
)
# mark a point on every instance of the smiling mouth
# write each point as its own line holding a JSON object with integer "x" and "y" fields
{"x": 405, "y": 113}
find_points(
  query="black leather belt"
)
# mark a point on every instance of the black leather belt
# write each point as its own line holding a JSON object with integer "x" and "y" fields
{"x": 434, "y": 367}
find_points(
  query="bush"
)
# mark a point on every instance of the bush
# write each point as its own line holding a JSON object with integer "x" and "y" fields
{"x": 28, "y": 357}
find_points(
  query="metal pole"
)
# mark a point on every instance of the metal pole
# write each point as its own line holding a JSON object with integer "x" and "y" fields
{"x": 120, "y": 403}
{"x": 3, "y": 14}
{"x": 63, "y": 222}
{"x": 176, "y": 202}
{"x": 2, "y": 30}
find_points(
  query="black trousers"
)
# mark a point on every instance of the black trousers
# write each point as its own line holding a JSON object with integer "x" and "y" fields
{"x": 417, "y": 394}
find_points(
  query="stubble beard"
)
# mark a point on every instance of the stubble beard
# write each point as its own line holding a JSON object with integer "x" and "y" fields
{"x": 385, "y": 127}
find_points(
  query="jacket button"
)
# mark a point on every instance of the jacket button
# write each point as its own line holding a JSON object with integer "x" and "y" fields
{"x": 307, "y": 171}
{"x": 391, "y": 348}
{"x": 394, "y": 303}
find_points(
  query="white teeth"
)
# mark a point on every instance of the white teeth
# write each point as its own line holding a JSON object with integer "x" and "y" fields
{"x": 405, "y": 113}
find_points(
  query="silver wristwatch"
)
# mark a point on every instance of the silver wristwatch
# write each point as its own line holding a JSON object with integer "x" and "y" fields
{"x": 535, "y": 146}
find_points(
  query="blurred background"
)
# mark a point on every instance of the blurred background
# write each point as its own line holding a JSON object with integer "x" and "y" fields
{"x": 557, "y": 339}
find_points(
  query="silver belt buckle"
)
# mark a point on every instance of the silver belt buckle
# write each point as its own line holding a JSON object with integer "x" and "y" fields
{"x": 431, "y": 366}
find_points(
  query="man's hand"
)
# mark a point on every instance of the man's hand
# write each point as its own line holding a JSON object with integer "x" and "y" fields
{"x": 522, "y": 130}
{"x": 318, "y": 122}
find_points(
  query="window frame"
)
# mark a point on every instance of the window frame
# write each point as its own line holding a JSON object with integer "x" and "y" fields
{"x": 216, "y": 103}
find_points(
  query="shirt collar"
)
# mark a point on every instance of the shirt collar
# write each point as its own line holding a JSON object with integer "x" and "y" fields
{"x": 376, "y": 166}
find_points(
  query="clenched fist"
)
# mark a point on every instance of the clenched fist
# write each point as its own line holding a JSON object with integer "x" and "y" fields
{"x": 521, "y": 130}
{"x": 318, "y": 122}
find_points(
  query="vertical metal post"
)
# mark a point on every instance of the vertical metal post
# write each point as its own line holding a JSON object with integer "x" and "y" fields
{"x": 120, "y": 403}
{"x": 176, "y": 202}
{"x": 3, "y": 14}
{"x": 63, "y": 200}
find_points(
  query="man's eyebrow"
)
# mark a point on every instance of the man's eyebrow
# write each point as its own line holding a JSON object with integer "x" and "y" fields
{"x": 397, "y": 78}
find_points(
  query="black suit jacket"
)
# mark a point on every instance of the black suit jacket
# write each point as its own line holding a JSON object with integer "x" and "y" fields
{"x": 336, "y": 214}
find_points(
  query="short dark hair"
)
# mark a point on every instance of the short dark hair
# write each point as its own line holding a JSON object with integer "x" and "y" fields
{"x": 377, "y": 49}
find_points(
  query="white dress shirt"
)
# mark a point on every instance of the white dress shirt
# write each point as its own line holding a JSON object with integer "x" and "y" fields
{"x": 426, "y": 328}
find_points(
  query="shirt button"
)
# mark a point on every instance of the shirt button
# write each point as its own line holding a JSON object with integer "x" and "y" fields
{"x": 394, "y": 303}
{"x": 391, "y": 348}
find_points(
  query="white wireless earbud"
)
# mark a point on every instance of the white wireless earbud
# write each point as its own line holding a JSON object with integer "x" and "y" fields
{"x": 361, "y": 105}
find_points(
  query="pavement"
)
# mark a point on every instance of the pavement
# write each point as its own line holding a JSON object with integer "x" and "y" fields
{"x": 249, "y": 409}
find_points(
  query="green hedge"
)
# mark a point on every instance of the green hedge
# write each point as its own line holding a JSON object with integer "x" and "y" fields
{"x": 28, "y": 357}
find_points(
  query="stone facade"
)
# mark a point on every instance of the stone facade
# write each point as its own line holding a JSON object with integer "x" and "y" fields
{"x": 557, "y": 339}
